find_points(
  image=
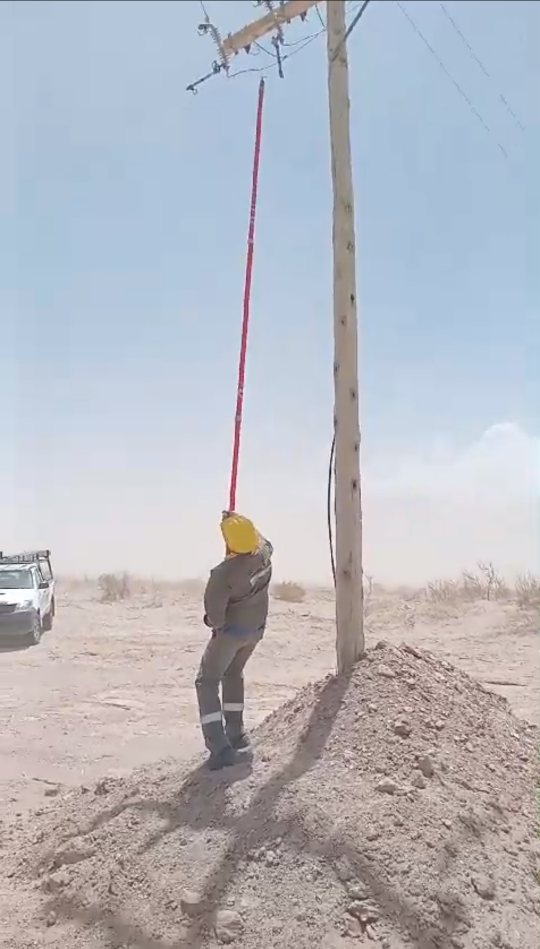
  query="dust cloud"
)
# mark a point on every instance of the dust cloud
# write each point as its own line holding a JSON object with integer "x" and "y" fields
{"x": 426, "y": 514}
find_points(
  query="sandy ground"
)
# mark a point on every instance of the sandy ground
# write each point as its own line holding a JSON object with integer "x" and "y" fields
{"x": 111, "y": 687}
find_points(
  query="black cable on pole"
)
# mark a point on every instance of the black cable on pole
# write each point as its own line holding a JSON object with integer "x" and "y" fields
{"x": 355, "y": 19}
{"x": 350, "y": 28}
{"x": 329, "y": 506}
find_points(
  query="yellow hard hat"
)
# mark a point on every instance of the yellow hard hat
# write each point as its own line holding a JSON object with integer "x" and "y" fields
{"x": 240, "y": 534}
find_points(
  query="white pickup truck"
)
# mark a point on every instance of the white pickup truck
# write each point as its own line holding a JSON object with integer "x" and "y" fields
{"x": 27, "y": 602}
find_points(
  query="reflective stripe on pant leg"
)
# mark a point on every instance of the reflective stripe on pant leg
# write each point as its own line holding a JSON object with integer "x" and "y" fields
{"x": 233, "y": 713}
{"x": 233, "y": 689}
{"x": 218, "y": 655}
{"x": 211, "y": 717}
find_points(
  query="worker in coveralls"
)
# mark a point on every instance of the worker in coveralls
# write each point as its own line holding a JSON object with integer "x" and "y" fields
{"x": 236, "y": 610}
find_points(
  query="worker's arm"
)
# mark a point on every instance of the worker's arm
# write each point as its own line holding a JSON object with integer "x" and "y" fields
{"x": 216, "y": 599}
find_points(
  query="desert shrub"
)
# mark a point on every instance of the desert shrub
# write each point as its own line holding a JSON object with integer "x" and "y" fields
{"x": 486, "y": 584}
{"x": 289, "y": 592}
{"x": 114, "y": 587}
{"x": 493, "y": 585}
{"x": 442, "y": 591}
{"x": 471, "y": 586}
{"x": 528, "y": 590}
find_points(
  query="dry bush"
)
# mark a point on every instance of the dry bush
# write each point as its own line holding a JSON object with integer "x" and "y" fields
{"x": 408, "y": 613}
{"x": 471, "y": 586}
{"x": 492, "y": 583}
{"x": 442, "y": 591}
{"x": 367, "y": 587}
{"x": 114, "y": 587}
{"x": 289, "y": 592}
{"x": 528, "y": 590}
{"x": 486, "y": 584}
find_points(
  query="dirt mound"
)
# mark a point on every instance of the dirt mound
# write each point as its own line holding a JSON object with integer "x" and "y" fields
{"x": 391, "y": 809}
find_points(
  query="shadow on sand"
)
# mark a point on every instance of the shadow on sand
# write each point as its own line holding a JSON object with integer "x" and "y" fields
{"x": 203, "y": 803}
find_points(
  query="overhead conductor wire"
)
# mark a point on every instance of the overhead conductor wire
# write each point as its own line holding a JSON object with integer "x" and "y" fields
{"x": 479, "y": 62}
{"x": 449, "y": 75}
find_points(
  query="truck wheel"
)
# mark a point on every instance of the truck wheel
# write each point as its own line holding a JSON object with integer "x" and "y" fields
{"x": 48, "y": 619}
{"x": 35, "y": 636}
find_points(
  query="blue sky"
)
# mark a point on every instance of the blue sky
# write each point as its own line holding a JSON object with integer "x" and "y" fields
{"x": 123, "y": 217}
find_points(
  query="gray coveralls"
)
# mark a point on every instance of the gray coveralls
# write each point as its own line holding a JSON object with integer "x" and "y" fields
{"x": 236, "y": 608}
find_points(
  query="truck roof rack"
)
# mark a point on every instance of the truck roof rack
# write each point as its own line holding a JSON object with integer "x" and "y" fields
{"x": 28, "y": 556}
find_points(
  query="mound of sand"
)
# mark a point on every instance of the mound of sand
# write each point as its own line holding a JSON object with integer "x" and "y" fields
{"x": 395, "y": 808}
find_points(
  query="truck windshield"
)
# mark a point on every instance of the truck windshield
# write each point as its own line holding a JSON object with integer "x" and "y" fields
{"x": 16, "y": 580}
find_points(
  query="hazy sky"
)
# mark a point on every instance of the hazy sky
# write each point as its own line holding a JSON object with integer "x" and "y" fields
{"x": 123, "y": 217}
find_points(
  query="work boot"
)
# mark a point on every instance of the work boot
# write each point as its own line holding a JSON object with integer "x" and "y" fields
{"x": 223, "y": 759}
{"x": 240, "y": 742}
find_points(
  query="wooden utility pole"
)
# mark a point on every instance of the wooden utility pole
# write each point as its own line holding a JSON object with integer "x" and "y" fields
{"x": 349, "y": 587}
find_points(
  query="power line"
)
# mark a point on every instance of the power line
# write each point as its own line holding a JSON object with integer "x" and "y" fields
{"x": 306, "y": 42}
{"x": 479, "y": 62}
{"x": 350, "y": 28}
{"x": 263, "y": 49}
{"x": 297, "y": 49}
{"x": 449, "y": 75}
{"x": 304, "y": 39}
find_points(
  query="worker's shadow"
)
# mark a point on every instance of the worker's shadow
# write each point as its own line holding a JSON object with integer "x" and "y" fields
{"x": 201, "y": 785}
{"x": 203, "y": 801}
{"x": 203, "y": 797}
{"x": 202, "y": 805}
